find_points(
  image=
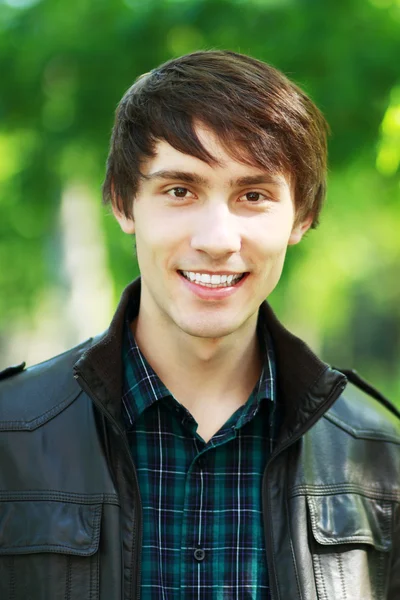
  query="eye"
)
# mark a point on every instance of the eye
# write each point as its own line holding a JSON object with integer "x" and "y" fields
{"x": 179, "y": 192}
{"x": 254, "y": 197}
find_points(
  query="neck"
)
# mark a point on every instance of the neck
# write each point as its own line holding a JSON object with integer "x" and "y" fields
{"x": 200, "y": 371}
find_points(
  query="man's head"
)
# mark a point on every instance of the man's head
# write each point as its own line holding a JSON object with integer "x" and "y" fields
{"x": 258, "y": 115}
{"x": 217, "y": 164}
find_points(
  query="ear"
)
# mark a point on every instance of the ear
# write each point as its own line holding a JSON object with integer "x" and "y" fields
{"x": 299, "y": 230}
{"x": 127, "y": 224}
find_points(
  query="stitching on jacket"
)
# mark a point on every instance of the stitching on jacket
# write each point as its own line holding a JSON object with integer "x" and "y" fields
{"x": 291, "y": 546}
{"x": 61, "y": 548}
{"x": 56, "y": 496}
{"x": 96, "y": 522}
{"x": 319, "y": 578}
{"x": 371, "y": 434}
{"x": 311, "y": 508}
{"x": 383, "y": 559}
{"x": 12, "y": 578}
{"x": 271, "y": 529}
{"x": 339, "y": 559}
{"x": 363, "y": 539}
{"x": 91, "y": 576}
{"x": 94, "y": 576}
{"x": 127, "y": 566}
{"x": 380, "y": 570}
{"x": 40, "y": 419}
{"x": 55, "y": 548}
{"x": 344, "y": 488}
{"x": 67, "y": 595}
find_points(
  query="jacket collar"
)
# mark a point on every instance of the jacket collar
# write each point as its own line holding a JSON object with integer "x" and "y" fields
{"x": 306, "y": 386}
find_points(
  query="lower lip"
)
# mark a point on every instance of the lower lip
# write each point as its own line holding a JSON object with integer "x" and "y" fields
{"x": 208, "y": 293}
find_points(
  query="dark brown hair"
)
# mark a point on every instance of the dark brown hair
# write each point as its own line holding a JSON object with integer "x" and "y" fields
{"x": 259, "y": 116}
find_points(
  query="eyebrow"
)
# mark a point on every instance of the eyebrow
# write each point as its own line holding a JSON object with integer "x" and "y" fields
{"x": 194, "y": 178}
{"x": 184, "y": 176}
{"x": 257, "y": 179}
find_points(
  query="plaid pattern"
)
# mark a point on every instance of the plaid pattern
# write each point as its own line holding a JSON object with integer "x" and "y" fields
{"x": 203, "y": 531}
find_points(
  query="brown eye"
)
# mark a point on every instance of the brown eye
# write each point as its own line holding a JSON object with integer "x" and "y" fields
{"x": 179, "y": 192}
{"x": 253, "y": 196}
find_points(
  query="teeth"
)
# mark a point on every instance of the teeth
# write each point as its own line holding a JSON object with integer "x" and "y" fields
{"x": 212, "y": 280}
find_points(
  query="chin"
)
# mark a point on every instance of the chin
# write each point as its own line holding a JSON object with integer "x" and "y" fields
{"x": 208, "y": 328}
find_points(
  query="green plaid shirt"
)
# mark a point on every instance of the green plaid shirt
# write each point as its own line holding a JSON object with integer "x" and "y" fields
{"x": 203, "y": 531}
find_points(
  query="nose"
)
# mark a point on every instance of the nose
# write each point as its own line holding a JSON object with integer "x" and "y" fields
{"x": 216, "y": 232}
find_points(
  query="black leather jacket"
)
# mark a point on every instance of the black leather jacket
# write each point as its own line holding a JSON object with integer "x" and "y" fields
{"x": 70, "y": 509}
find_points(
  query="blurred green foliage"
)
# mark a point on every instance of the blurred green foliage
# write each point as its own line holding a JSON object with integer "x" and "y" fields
{"x": 64, "y": 66}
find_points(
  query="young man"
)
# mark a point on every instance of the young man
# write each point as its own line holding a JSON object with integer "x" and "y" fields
{"x": 197, "y": 449}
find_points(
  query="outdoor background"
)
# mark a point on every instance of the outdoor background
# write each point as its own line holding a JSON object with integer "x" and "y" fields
{"x": 64, "y": 64}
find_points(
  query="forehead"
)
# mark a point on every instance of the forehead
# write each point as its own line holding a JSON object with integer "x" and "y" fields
{"x": 225, "y": 167}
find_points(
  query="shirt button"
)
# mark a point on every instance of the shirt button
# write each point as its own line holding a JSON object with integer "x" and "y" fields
{"x": 199, "y": 554}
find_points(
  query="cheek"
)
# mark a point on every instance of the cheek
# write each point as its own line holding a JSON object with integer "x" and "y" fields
{"x": 273, "y": 230}
{"x": 272, "y": 242}
{"x": 157, "y": 224}
{"x": 157, "y": 242}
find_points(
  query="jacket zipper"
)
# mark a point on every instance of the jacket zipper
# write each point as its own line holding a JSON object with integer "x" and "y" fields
{"x": 269, "y": 549}
{"x": 136, "y": 568}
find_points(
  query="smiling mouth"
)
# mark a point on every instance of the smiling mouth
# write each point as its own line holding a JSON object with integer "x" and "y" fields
{"x": 213, "y": 280}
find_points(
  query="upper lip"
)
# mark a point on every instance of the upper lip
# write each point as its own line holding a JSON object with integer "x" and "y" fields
{"x": 203, "y": 272}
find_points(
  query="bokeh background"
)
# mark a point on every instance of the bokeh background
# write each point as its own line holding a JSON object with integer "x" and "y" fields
{"x": 64, "y": 64}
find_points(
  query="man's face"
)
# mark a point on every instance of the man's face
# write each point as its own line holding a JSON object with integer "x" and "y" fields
{"x": 211, "y": 240}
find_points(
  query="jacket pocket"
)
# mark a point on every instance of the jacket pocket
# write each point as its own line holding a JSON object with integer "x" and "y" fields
{"x": 49, "y": 550}
{"x": 350, "y": 544}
